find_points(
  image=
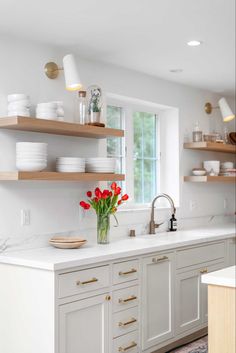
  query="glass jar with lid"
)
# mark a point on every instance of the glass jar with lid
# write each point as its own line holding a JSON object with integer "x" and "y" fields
{"x": 81, "y": 108}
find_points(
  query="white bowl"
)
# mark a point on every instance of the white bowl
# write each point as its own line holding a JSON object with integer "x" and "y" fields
{"x": 46, "y": 116}
{"x": 199, "y": 172}
{"x": 48, "y": 105}
{"x": 212, "y": 165}
{"x": 30, "y": 166}
{"x": 227, "y": 165}
{"x": 19, "y": 105}
{"x": 17, "y": 97}
{"x": 19, "y": 113}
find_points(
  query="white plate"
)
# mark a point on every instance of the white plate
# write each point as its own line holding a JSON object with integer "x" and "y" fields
{"x": 19, "y": 113}
{"x": 23, "y": 104}
{"x": 30, "y": 167}
{"x": 70, "y": 160}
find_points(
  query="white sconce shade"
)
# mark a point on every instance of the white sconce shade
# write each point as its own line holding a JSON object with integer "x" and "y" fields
{"x": 226, "y": 112}
{"x": 72, "y": 79}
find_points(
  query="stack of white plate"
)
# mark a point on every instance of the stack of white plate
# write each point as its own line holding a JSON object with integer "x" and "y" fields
{"x": 100, "y": 165}
{"x": 18, "y": 104}
{"x": 47, "y": 111}
{"x": 70, "y": 165}
{"x": 31, "y": 156}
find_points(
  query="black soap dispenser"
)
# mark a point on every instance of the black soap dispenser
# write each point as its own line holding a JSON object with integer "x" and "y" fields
{"x": 173, "y": 223}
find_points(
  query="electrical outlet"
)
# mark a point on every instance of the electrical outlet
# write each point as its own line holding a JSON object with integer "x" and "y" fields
{"x": 192, "y": 205}
{"x": 25, "y": 217}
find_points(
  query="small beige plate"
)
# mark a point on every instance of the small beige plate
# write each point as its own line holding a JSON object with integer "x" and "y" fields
{"x": 67, "y": 245}
{"x": 67, "y": 239}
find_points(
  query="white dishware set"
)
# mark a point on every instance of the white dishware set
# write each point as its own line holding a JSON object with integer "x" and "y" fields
{"x": 100, "y": 165}
{"x": 212, "y": 167}
{"x": 31, "y": 156}
{"x": 70, "y": 165}
{"x": 60, "y": 110}
{"x": 47, "y": 111}
{"x": 18, "y": 105}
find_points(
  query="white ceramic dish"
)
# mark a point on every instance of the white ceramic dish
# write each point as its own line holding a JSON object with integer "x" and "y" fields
{"x": 199, "y": 172}
{"x": 45, "y": 117}
{"x": 30, "y": 166}
{"x": 19, "y": 113}
{"x": 212, "y": 165}
{"x": 68, "y": 245}
{"x": 227, "y": 165}
{"x": 19, "y": 104}
{"x": 17, "y": 97}
{"x": 70, "y": 160}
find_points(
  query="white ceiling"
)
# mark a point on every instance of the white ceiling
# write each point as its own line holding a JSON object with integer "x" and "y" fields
{"x": 144, "y": 35}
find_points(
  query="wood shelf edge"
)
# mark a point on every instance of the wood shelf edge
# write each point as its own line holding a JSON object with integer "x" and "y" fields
{"x": 207, "y": 179}
{"x": 210, "y": 146}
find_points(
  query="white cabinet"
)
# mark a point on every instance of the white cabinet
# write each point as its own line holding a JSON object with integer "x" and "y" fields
{"x": 187, "y": 300}
{"x": 84, "y": 326}
{"x": 157, "y": 299}
{"x": 232, "y": 252}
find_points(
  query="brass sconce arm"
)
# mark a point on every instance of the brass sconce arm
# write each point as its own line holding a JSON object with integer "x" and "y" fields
{"x": 51, "y": 69}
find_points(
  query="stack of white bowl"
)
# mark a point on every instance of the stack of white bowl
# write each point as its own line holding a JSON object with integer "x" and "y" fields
{"x": 100, "y": 165}
{"x": 47, "y": 111}
{"x": 70, "y": 165}
{"x": 31, "y": 156}
{"x": 18, "y": 104}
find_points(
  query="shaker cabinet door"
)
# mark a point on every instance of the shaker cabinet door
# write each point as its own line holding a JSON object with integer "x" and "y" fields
{"x": 83, "y": 326}
{"x": 187, "y": 303}
{"x": 157, "y": 299}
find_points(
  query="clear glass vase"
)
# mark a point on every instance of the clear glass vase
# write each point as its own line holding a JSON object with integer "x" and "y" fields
{"x": 103, "y": 228}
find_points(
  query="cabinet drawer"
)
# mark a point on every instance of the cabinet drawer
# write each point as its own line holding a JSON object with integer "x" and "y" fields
{"x": 83, "y": 281}
{"x": 198, "y": 255}
{"x": 127, "y": 343}
{"x": 125, "y": 321}
{"x": 125, "y": 271}
{"x": 125, "y": 298}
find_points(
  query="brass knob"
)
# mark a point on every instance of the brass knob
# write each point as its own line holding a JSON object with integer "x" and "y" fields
{"x": 108, "y": 298}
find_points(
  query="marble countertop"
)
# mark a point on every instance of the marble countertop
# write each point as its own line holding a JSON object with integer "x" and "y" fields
{"x": 225, "y": 277}
{"x": 53, "y": 259}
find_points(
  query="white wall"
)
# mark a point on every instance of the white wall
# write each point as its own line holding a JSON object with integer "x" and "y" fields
{"x": 54, "y": 206}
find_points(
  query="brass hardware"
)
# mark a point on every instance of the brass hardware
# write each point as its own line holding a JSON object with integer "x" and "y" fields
{"x": 108, "y": 298}
{"x": 208, "y": 108}
{"x": 158, "y": 259}
{"x": 133, "y": 297}
{"x": 131, "y": 321}
{"x": 125, "y": 349}
{"x": 51, "y": 69}
{"x": 132, "y": 233}
{"x": 133, "y": 270}
{"x": 87, "y": 282}
{"x": 204, "y": 270}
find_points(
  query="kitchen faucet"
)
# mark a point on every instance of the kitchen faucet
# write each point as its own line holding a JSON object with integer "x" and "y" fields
{"x": 154, "y": 225}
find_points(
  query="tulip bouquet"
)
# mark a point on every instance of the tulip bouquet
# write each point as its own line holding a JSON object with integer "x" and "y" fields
{"x": 105, "y": 203}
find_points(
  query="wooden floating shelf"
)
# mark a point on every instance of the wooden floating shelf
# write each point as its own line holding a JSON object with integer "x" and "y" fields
{"x": 55, "y": 176}
{"x": 207, "y": 179}
{"x": 211, "y": 146}
{"x": 22, "y": 123}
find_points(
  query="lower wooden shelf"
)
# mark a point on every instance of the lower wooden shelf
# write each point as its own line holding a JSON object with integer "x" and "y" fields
{"x": 55, "y": 176}
{"x": 207, "y": 178}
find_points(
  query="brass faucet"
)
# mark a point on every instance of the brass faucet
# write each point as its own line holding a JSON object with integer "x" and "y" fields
{"x": 154, "y": 225}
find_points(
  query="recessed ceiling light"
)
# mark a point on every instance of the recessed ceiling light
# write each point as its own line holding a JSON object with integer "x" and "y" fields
{"x": 176, "y": 71}
{"x": 194, "y": 43}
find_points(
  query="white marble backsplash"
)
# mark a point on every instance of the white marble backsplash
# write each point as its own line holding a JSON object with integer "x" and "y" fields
{"x": 22, "y": 242}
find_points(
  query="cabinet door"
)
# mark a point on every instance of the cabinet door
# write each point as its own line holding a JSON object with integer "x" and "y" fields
{"x": 232, "y": 252}
{"x": 83, "y": 326}
{"x": 204, "y": 289}
{"x": 157, "y": 299}
{"x": 187, "y": 304}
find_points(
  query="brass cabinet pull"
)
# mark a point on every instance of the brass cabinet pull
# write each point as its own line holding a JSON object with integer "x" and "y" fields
{"x": 131, "y": 321}
{"x": 87, "y": 282}
{"x": 133, "y": 270}
{"x": 158, "y": 259}
{"x": 125, "y": 349}
{"x": 204, "y": 270}
{"x": 126, "y": 300}
{"x": 108, "y": 298}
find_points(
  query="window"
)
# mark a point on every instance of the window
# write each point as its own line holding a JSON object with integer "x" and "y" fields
{"x": 140, "y": 164}
{"x": 145, "y": 156}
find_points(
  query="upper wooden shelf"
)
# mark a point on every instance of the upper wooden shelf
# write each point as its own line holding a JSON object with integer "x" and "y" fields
{"x": 55, "y": 176}
{"x": 58, "y": 127}
{"x": 208, "y": 178}
{"x": 211, "y": 146}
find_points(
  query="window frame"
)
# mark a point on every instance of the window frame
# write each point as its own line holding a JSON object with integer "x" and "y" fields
{"x": 128, "y": 108}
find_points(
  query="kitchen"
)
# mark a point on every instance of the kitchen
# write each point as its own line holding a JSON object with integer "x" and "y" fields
{"x": 32, "y": 212}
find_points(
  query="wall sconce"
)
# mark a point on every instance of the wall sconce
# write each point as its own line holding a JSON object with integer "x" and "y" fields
{"x": 72, "y": 80}
{"x": 226, "y": 112}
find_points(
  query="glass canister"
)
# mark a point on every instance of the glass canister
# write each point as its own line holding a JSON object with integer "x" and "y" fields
{"x": 81, "y": 108}
{"x": 197, "y": 134}
{"x": 94, "y": 103}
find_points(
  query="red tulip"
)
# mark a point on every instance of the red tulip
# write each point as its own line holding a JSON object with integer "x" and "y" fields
{"x": 87, "y": 206}
{"x": 117, "y": 191}
{"x": 113, "y": 186}
{"x": 98, "y": 193}
{"x": 89, "y": 193}
{"x": 82, "y": 203}
{"x": 95, "y": 199}
{"x": 110, "y": 193}
{"x": 125, "y": 197}
{"x": 119, "y": 202}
